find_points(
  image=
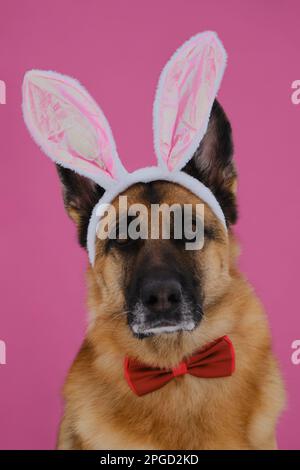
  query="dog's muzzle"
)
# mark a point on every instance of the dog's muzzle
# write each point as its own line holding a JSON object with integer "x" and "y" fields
{"x": 161, "y": 308}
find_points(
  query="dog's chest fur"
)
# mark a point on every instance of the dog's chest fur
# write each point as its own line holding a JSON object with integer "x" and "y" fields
{"x": 188, "y": 413}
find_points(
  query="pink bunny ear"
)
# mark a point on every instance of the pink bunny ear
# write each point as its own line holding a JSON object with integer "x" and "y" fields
{"x": 186, "y": 91}
{"x": 69, "y": 126}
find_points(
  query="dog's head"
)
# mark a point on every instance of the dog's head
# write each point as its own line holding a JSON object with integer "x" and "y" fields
{"x": 146, "y": 289}
{"x": 147, "y": 284}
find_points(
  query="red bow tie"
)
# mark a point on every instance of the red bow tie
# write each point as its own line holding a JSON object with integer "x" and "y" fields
{"x": 215, "y": 360}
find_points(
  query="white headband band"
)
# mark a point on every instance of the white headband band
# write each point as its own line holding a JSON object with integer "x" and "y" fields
{"x": 72, "y": 130}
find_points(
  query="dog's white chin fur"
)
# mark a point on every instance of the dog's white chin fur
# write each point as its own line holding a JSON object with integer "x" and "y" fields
{"x": 184, "y": 326}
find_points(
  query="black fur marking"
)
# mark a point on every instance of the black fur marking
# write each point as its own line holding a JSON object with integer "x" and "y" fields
{"x": 151, "y": 192}
{"x": 212, "y": 162}
{"x": 80, "y": 196}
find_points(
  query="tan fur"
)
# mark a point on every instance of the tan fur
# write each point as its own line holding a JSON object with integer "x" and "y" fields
{"x": 237, "y": 412}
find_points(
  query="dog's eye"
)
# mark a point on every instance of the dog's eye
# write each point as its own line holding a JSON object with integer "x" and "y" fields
{"x": 126, "y": 242}
{"x": 122, "y": 242}
{"x": 120, "y": 236}
{"x": 188, "y": 231}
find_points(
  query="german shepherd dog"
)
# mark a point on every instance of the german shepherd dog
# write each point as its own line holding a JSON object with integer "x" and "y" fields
{"x": 156, "y": 368}
{"x": 239, "y": 412}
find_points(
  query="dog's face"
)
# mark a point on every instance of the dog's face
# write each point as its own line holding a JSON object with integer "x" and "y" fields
{"x": 143, "y": 289}
{"x": 162, "y": 285}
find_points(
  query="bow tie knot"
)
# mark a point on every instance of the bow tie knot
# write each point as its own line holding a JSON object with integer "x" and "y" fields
{"x": 181, "y": 369}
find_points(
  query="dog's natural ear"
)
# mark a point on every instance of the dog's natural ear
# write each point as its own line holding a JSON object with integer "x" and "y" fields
{"x": 80, "y": 196}
{"x": 212, "y": 162}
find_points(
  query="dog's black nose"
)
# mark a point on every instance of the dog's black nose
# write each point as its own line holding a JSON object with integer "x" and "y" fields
{"x": 161, "y": 296}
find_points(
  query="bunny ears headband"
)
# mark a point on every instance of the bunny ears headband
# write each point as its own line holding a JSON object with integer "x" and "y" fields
{"x": 72, "y": 130}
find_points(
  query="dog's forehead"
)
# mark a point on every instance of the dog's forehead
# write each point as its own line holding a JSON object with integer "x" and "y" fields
{"x": 158, "y": 192}
{"x": 162, "y": 192}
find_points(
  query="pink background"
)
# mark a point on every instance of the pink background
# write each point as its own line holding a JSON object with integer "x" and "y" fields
{"x": 117, "y": 49}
